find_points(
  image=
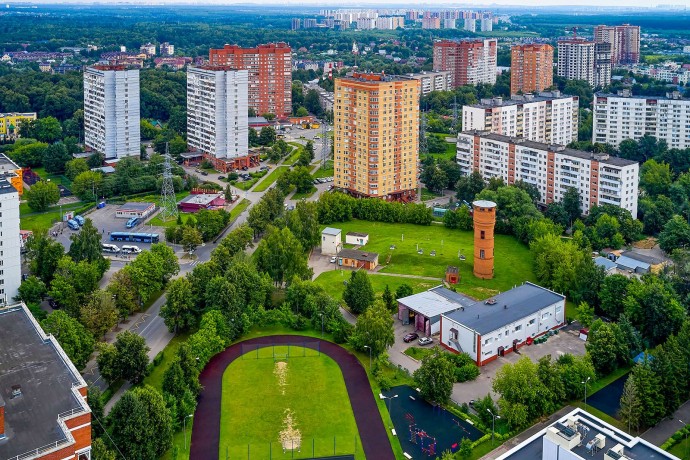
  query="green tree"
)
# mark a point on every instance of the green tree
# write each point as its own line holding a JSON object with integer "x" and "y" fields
{"x": 86, "y": 245}
{"x": 211, "y": 338}
{"x": 653, "y": 308}
{"x": 99, "y": 451}
{"x": 88, "y": 185}
{"x": 267, "y": 136}
{"x": 122, "y": 290}
{"x": 281, "y": 255}
{"x": 55, "y": 158}
{"x": 303, "y": 222}
{"x": 94, "y": 396}
{"x": 585, "y": 314}
{"x": 179, "y": 309}
{"x": 434, "y": 178}
{"x": 75, "y": 167}
{"x": 571, "y": 203}
{"x": 77, "y": 342}
{"x": 191, "y": 239}
{"x": 523, "y": 396}
{"x": 73, "y": 283}
{"x": 655, "y": 178}
{"x": 631, "y": 411}
{"x": 388, "y": 299}
{"x": 468, "y": 187}
{"x": 656, "y": 212}
{"x": 649, "y": 392}
{"x": 302, "y": 179}
{"x": 47, "y": 129}
{"x": 374, "y": 329}
{"x": 465, "y": 450}
{"x": 42, "y": 195}
{"x": 358, "y": 294}
{"x": 676, "y": 234}
{"x": 612, "y": 294}
{"x": 404, "y": 290}
{"x": 43, "y": 254}
{"x": 132, "y": 356}
{"x": 31, "y": 290}
{"x": 606, "y": 347}
{"x": 435, "y": 376}
{"x": 140, "y": 424}
{"x": 309, "y": 148}
{"x": 99, "y": 315}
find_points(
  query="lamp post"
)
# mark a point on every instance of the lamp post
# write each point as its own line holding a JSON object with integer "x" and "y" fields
{"x": 389, "y": 402}
{"x": 686, "y": 438}
{"x": 184, "y": 430}
{"x": 321, "y": 315}
{"x": 585, "y": 384}
{"x": 367, "y": 346}
{"x": 493, "y": 423}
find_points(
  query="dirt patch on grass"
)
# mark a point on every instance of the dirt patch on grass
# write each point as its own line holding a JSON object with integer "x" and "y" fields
{"x": 290, "y": 436}
{"x": 647, "y": 243}
{"x": 280, "y": 371}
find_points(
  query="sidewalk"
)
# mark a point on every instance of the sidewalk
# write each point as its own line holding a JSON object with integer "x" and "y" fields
{"x": 658, "y": 434}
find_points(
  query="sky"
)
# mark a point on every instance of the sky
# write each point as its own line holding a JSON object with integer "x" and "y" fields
{"x": 401, "y": 3}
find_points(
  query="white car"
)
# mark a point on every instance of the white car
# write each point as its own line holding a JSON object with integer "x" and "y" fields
{"x": 333, "y": 259}
{"x": 425, "y": 341}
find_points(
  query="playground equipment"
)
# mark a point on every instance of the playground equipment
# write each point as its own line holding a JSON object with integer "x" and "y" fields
{"x": 426, "y": 442}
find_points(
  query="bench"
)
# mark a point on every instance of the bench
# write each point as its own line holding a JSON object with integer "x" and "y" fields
{"x": 393, "y": 432}
{"x": 407, "y": 456}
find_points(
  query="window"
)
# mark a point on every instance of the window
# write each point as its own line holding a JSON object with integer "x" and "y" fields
{"x": 481, "y": 235}
{"x": 481, "y": 253}
{"x": 487, "y": 341}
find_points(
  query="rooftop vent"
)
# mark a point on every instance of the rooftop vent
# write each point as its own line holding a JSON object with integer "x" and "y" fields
{"x": 16, "y": 391}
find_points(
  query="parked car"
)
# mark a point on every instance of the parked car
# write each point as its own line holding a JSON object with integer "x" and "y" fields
{"x": 333, "y": 259}
{"x": 244, "y": 168}
{"x": 131, "y": 223}
{"x": 490, "y": 302}
{"x": 204, "y": 173}
{"x": 425, "y": 341}
{"x": 410, "y": 337}
{"x": 53, "y": 304}
{"x": 73, "y": 224}
{"x": 221, "y": 177}
{"x": 80, "y": 220}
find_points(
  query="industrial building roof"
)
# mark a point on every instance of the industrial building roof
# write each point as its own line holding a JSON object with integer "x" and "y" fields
{"x": 45, "y": 376}
{"x": 632, "y": 264}
{"x": 200, "y": 198}
{"x": 509, "y": 307}
{"x": 356, "y": 254}
{"x": 136, "y": 206}
{"x": 605, "y": 263}
{"x": 436, "y": 301}
{"x": 331, "y": 231}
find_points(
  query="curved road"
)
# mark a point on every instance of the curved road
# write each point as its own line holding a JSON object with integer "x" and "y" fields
{"x": 206, "y": 431}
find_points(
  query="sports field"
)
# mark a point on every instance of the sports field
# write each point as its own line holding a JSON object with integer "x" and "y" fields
{"x": 270, "y": 401}
{"x": 513, "y": 260}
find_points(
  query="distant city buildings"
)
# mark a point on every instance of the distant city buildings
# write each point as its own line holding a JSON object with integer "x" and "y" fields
{"x": 470, "y": 25}
{"x": 669, "y": 71}
{"x": 167, "y": 49}
{"x": 531, "y": 68}
{"x": 376, "y": 135}
{"x": 435, "y": 80}
{"x": 296, "y": 24}
{"x": 470, "y": 62}
{"x": 111, "y": 111}
{"x": 269, "y": 69}
{"x": 10, "y": 122}
{"x": 624, "y": 41}
{"x": 149, "y": 49}
{"x": 487, "y": 24}
{"x": 548, "y": 117}
{"x": 431, "y": 23}
{"x": 622, "y": 116}
{"x": 580, "y": 59}
{"x": 217, "y": 121}
{"x": 553, "y": 169}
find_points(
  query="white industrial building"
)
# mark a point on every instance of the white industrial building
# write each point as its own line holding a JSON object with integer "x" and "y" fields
{"x": 10, "y": 242}
{"x": 432, "y": 80}
{"x": 546, "y": 117}
{"x": 217, "y": 111}
{"x": 331, "y": 241}
{"x": 489, "y": 329}
{"x": 599, "y": 178}
{"x": 111, "y": 111}
{"x": 622, "y": 116}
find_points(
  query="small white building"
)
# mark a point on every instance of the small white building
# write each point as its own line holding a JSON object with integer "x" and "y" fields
{"x": 360, "y": 239}
{"x": 424, "y": 310}
{"x": 331, "y": 242}
{"x": 489, "y": 329}
{"x": 135, "y": 209}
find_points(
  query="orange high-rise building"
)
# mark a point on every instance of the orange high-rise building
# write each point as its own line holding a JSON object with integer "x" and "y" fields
{"x": 484, "y": 216}
{"x": 270, "y": 74}
{"x": 531, "y": 68}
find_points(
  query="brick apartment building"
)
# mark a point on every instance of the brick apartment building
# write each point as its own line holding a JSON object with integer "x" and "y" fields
{"x": 624, "y": 40}
{"x": 43, "y": 409}
{"x": 531, "y": 68}
{"x": 270, "y": 74}
{"x": 470, "y": 61}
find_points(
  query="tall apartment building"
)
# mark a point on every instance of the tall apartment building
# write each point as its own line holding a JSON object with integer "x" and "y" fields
{"x": 624, "y": 40}
{"x": 449, "y": 23}
{"x": 487, "y": 24}
{"x": 296, "y": 23}
{"x": 470, "y": 25}
{"x": 167, "y": 49}
{"x": 434, "y": 80}
{"x": 376, "y": 135}
{"x": 431, "y": 23}
{"x": 11, "y": 172}
{"x": 111, "y": 111}
{"x": 43, "y": 410}
{"x": 599, "y": 178}
{"x": 622, "y": 116}
{"x": 531, "y": 68}
{"x": 217, "y": 121}
{"x": 469, "y": 62}
{"x": 270, "y": 74}
{"x": 10, "y": 245}
{"x": 580, "y": 59}
{"x": 546, "y": 117}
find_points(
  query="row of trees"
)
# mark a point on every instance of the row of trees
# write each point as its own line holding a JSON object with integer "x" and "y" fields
{"x": 339, "y": 207}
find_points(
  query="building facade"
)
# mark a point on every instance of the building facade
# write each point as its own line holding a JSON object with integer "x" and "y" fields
{"x": 624, "y": 41}
{"x": 376, "y": 135}
{"x": 12, "y": 173}
{"x": 10, "y": 122}
{"x": 167, "y": 49}
{"x": 531, "y": 68}
{"x": 599, "y": 178}
{"x": 484, "y": 219}
{"x": 622, "y": 116}
{"x": 547, "y": 117}
{"x": 469, "y": 62}
{"x": 580, "y": 59}
{"x": 434, "y": 80}
{"x": 602, "y": 64}
{"x": 217, "y": 107}
{"x": 270, "y": 74}
{"x": 111, "y": 111}
{"x": 10, "y": 242}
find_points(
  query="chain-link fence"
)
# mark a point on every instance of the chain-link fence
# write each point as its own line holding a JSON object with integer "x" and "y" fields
{"x": 335, "y": 448}
{"x": 276, "y": 352}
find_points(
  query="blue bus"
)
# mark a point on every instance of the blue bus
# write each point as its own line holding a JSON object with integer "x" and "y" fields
{"x": 137, "y": 237}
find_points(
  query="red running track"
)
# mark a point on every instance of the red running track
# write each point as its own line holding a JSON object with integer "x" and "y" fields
{"x": 206, "y": 430}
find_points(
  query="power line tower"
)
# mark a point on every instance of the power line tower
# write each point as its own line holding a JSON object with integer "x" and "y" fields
{"x": 455, "y": 115}
{"x": 168, "y": 199}
{"x": 325, "y": 152}
{"x": 423, "y": 147}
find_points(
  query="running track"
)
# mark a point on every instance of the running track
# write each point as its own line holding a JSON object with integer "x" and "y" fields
{"x": 206, "y": 430}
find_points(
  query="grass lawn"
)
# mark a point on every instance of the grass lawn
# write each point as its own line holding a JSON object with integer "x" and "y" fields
{"x": 271, "y": 178}
{"x": 158, "y": 222}
{"x": 428, "y": 194}
{"x": 417, "y": 352}
{"x": 157, "y": 198}
{"x": 294, "y": 156}
{"x": 324, "y": 172}
{"x": 333, "y": 282}
{"x": 155, "y": 378}
{"x": 244, "y": 185}
{"x": 57, "y": 178}
{"x": 681, "y": 450}
{"x": 301, "y": 195}
{"x": 254, "y": 403}
{"x": 513, "y": 259}
{"x": 451, "y": 149}
{"x": 41, "y": 221}
{"x": 237, "y": 210}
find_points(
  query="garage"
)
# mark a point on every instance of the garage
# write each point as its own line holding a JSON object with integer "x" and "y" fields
{"x": 424, "y": 310}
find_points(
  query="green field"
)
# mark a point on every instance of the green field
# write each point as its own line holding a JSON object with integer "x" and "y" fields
{"x": 271, "y": 178}
{"x": 333, "y": 282}
{"x": 300, "y": 195}
{"x": 324, "y": 172}
{"x": 239, "y": 208}
{"x": 429, "y": 195}
{"x": 513, "y": 260}
{"x": 256, "y": 396}
{"x": 42, "y": 221}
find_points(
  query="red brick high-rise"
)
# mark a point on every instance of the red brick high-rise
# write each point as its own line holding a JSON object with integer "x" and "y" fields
{"x": 470, "y": 62}
{"x": 531, "y": 68}
{"x": 270, "y": 74}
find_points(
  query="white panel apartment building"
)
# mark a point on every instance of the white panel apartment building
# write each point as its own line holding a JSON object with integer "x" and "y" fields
{"x": 10, "y": 246}
{"x": 433, "y": 80}
{"x": 111, "y": 111}
{"x": 624, "y": 116}
{"x": 547, "y": 117}
{"x": 217, "y": 107}
{"x": 599, "y": 178}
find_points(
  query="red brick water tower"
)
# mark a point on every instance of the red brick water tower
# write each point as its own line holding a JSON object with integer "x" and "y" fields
{"x": 484, "y": 216}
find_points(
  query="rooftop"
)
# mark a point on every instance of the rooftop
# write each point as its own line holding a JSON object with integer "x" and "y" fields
{"x": 331, "y": 231}
{"x": 372, "y": 77}
{"x": 136, "y": 206}
{"x": 48, "y": 383}
{"x": 590, "y": 438}
{"x": 356, "y": 254}
{"x": 601, "y": 158}
{"x": 632, "y": 264}
{"x": 509, "y": 307}
{"x": 361, "y": 235}
{"x": 488, "y": 103}
{"x": 6, "y": 187}
{"x": 673, "y": 96}
{"x": 436, "y": 301}
{"x": 605, "y": 263}
{"x": 201, "y": 198}
{"x": 7, "y": 165}
{"x": 642, "y": 257}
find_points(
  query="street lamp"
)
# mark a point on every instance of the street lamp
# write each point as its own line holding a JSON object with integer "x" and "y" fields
{"x": 367, "y": 346}
{"x": 686, "y": 438}
{"x": 321, "y": 315}
{"x": 585, "y": 384}
{"x": 493, "y": 423}
{"x": 389, "y": 402}
{"x": 184, "y": 428}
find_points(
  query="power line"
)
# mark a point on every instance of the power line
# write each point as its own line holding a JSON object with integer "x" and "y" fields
{"x": 168, "y": 199}
{"x": 324, "y": 144}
